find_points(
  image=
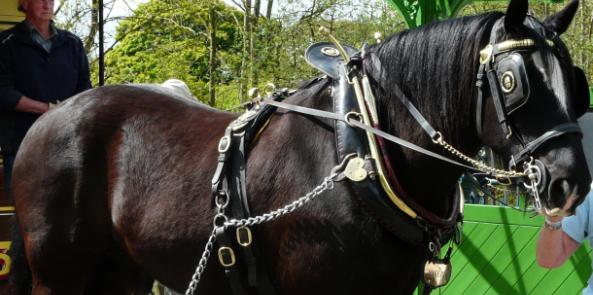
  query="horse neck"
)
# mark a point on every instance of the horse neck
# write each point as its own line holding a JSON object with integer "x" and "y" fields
{"x": 437, "y": 71}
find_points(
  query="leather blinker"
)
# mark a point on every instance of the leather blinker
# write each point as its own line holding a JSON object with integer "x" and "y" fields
{"x": 512, "y": 77}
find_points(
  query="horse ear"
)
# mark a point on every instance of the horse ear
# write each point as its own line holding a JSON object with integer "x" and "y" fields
{"x": 516, "y": 13}
{"x": 560, "y": 21}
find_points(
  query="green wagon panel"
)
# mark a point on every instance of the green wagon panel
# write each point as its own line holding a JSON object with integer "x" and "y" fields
{"x": 508, "y": 252}
{"x": 497, "y": 256}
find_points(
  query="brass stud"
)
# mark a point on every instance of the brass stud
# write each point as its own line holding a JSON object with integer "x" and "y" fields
{"x": 508, "y": 82}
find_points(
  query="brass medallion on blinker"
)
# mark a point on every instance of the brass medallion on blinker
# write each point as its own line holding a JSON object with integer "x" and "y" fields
{"x": 507, "y": 81}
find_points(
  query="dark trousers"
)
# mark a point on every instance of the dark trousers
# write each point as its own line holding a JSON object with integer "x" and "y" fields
{"x": 8, "y": 163}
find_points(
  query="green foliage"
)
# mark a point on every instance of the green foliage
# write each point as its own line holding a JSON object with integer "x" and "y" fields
{"x": 169, "y": 39}
{"x": 296, "y": 28}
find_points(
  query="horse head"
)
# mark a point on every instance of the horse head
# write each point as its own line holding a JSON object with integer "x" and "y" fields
{"x": 532, "y": 102}
{"x": 525, "y": 108}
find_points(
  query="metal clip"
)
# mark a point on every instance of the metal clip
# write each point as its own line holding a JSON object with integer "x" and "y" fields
{"x": 224, "y": 144}
{"x": 253, "y": 93}
{"x": 509, "y": 132}
{"x": 535, "y": 176}
{"x": 349, "y": 117}
{"x": 338, "y": 170}
{"x": 226, "y": 256}
{"x": 355, "y": 170}
{"x": 244, "y": 236}
{"x": 437, "y": 138}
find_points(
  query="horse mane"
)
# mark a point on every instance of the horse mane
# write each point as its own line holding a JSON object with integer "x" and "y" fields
{"x": 436, "y": 67}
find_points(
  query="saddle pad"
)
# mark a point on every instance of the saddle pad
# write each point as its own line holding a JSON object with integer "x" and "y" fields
{"x": 325, "y": 57}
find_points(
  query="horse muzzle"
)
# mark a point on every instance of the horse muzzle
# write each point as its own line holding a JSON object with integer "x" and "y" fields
{"x": 562, "y": 183}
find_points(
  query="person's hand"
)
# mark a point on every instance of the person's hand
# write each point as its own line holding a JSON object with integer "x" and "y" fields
{"x": 553, "y": 217}
{"x": 28, "y": 105}
{"x": 52, "y": 105}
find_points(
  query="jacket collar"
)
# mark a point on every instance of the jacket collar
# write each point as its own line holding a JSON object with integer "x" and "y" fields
{"x": 23, "y": 34}
{"x": 52, "y": 29}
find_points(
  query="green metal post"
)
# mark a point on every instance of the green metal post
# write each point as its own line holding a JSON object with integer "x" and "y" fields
{"x": 419, "y": 12}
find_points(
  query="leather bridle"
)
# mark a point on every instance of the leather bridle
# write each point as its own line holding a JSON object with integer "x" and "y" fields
{"x": 506, "y": 83}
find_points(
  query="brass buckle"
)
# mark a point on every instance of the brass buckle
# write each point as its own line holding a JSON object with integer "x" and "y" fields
{"x": 249, "y": 238}
{"x": 486, "y": 54}
{"x": 226, "y": 256}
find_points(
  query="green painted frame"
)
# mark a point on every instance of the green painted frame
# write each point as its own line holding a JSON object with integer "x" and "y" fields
{"x": 419, "y": 12}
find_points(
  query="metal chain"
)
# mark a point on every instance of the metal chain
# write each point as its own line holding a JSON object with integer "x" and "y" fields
{"x": 478, "y": 164}
{"x": 222, "y": 201}
{"x": 195, "y": 279}
{"x": 327, "y": 184}
{"x": 535, "y": 177}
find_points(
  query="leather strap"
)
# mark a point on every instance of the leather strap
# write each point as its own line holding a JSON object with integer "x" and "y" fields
{"x": 229, "y": 179}
{"x": 555, "y": 132}
{"x": 481, "y": 84}
{"x": 358, "y": 124}
{"x": 232, "y": 271}
{"x": 348, "y": 140}
{"x": 414, "y": 112}
{"x": 497, "y": 99}
{"x": 238, "y": 200}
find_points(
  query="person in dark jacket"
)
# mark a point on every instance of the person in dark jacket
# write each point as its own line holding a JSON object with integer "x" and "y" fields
{"x": 40, "y": 66}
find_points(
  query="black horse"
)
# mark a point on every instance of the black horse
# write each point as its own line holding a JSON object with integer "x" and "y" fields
{"x": 112, "y": 189}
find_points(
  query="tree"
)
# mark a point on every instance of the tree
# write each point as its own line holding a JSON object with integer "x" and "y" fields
{"x": 212, "y": 13}
{"x": 81, "y": 18}
{"x": 178, "y": 39}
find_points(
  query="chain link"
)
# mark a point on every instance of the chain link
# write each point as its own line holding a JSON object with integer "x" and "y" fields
{"x": 222, "y": 201}
{"x": 478, "y": 164}
{"x": 327, "y": 184}
{"x": 195, "y": 279}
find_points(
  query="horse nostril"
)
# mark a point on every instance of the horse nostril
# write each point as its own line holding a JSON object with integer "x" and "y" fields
{"x": 558, "y": 192}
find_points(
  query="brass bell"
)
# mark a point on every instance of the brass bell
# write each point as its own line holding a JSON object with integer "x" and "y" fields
{"x": 437, "y": 272}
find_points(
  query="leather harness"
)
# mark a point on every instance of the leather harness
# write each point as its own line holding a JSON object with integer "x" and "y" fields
{"x": 229, "y": 187}
{"x": 409, "y": 222}
{"x": 229, "y": 179}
